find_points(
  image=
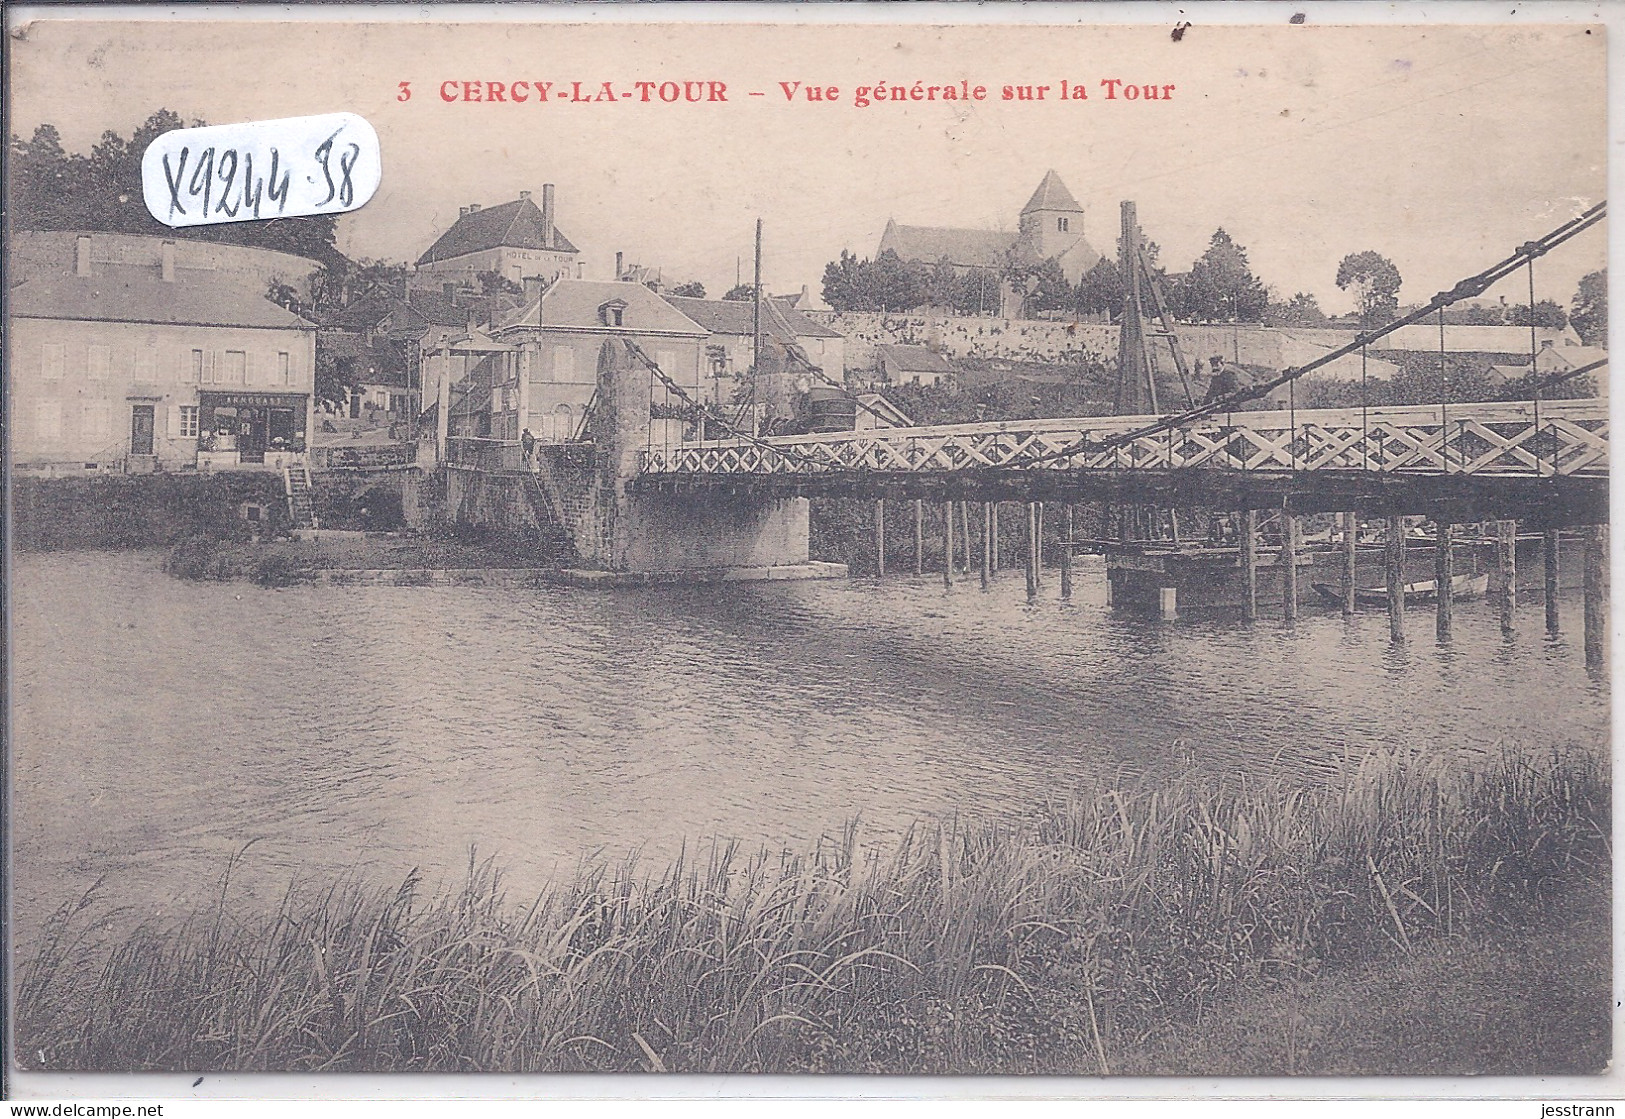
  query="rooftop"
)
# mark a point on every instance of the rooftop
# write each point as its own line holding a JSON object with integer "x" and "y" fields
{"x": 138, "y": 293}
{"x": 1052, "y": 195}
{"x": 515, "y": 225}
{"x": 575, "y": 304}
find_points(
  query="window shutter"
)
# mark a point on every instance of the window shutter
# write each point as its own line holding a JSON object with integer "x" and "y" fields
{"x": 248, "y": 367}
{"x": 210, "y": 370}
{"x": 174, "y": 431}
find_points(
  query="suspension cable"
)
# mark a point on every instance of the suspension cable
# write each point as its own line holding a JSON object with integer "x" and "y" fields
{"x": 1469, "y": 288}
{"x": 700, "y": 410}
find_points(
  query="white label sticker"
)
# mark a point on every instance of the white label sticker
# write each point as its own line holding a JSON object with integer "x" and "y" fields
{"x": 287, "y": 168}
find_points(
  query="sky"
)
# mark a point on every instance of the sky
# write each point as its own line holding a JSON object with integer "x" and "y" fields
{"x": 1440, "y": 146}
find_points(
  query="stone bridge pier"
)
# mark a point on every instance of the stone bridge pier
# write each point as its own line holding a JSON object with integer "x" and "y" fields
{"x": 578, "y": 493}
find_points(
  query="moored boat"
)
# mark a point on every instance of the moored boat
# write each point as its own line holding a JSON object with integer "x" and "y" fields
{"x": 1461, "y": 587}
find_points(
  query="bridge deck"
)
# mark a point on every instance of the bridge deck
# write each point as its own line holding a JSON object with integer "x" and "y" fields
{"x": 1492, "y": 456}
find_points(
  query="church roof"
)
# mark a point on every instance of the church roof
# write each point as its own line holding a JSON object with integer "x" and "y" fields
{"x": 967, "y": 248}
{"x": 514, "y": 225}
{"x": 1052, "y": 195}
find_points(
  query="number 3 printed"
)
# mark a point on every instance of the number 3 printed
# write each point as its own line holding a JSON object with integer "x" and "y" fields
{"x": 406, "y": 92}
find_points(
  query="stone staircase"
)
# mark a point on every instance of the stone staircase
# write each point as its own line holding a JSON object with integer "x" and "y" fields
{"x": 547, "y": 506}
{"x": 296, "y": 485}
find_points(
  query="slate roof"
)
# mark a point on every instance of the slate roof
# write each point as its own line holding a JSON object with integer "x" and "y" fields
{"x": 913, "y": 359}
{"x": 1052, "y": 195}
{"x": 574, "y": 304}
{"x": 515, "y": 225}
{"x": 114, "y": 293}
{"x": 967, "y": 248}
{"x": 735, "y": 316}
{"x": 418, "y": 310}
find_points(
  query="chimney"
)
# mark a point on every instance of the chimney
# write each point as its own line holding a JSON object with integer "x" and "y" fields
{"x": 166, "y": 254}
{"x": 620, "y": 273}
{"x": 579, "y": 266}
{"x": 473, "y": 207}
{"x": 81, "y": 255}
{"x": 524, "y": 196}
{"x": 462, "y": 212}
{"x": 547, "y": 214}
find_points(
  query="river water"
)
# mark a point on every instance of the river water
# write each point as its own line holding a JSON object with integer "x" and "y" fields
{"x": 159, "y": 726}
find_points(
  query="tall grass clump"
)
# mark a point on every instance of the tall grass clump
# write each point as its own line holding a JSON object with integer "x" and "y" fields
{"x": 962, "y": 948}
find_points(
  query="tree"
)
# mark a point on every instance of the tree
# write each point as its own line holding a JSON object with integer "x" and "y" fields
{"x": 1303, "y": 309}
{"x": 1376, "y": 284}
{"x": 495, "y": 283}
{"x": 336, "y": 376}
{"x": 1548, "y": 313}
{"x": 887, "y": 283}
{"x": 978, "y": 292}
{"x": 1100, "y": 290}
{"x": 740, "y": 293}
{"x": 101, "y": 192}
{"x": 1220, "y": 286}
{"x": 1044, "y": 284}
{"x": 695, "y": 290}
{"x": 1589, "y": 311}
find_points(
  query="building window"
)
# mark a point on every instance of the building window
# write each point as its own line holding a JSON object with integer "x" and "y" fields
{"x": 612, "y": 313}
{"x": 196, "y": 368}
{"x": 236, "y": 367}
{"x": 48, "y": 419}
{"x": 284, "y": 371}
{"x": 98, "y": 418}
{"x": 54, "y": 359}
{"x": 1060, "y": 224}
{"x": 101, "y": 360}
{"x": 188, "y": 421}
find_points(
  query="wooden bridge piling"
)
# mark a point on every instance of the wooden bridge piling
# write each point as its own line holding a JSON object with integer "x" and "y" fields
{"x": 1506, "y": 555}
{"x": 1596, "y": 595}
{"x": 1394, "y": 554}
{"x": 1444, "y": 573}
{"x": 1038, "y": 540}
{"x": 880, "y": 537}
{"x": 1032, "y": 552}
{"x": 1249, "y": 563}
{"x": 947, "y": 543}
{"x": 964, "y": 521}
{"x": 987, "y": 544}
{"x": 1066, "y": 557}
{"x": 1549, "y": 548}
{"x": 1351, "y": 533}
{"x": 1289, "y": 572}
{"x": 919, "y": 537}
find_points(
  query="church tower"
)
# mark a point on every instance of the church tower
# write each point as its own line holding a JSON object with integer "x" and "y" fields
{"x": 1052, "y": 220}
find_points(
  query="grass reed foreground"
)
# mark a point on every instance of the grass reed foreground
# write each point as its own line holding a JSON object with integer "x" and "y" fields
{"x": 1057, "y": 948}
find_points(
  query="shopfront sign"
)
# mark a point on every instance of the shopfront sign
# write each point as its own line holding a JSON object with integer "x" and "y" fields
{"x": 252, "y": 399}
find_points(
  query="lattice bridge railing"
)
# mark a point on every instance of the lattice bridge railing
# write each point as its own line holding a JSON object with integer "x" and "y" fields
{"x": 1569, "y": 438}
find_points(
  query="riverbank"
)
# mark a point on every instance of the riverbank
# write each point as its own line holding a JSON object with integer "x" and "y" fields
{"x": 350, "y": 557}
{"x": 1080, "y": 945}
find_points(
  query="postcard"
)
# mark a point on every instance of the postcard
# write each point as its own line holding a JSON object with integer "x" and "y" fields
{"x": 1030, "y": 543}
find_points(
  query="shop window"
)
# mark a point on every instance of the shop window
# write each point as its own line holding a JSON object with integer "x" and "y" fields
{"x": 55, "y": 357}
{"x": 189, "y": 414}
{"x": 101, "y": 360}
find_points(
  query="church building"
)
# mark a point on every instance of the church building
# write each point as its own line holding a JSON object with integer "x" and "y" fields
{"x": 1050, "y": 225}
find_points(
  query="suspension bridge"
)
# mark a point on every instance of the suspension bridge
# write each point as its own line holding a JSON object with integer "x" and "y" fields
{"x": 717, "y": 493}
